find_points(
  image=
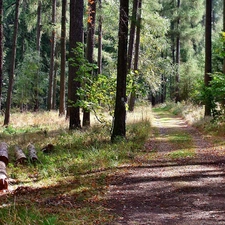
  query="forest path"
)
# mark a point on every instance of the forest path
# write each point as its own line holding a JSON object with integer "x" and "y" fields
{"x": 183, "y": 182}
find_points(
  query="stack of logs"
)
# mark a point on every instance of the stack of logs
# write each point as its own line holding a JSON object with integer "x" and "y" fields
{"x": 20, "y": 158}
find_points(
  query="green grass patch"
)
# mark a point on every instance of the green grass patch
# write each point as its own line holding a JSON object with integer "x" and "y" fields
{"x": 182, "y": 154}
{"x": 66, "y": 186}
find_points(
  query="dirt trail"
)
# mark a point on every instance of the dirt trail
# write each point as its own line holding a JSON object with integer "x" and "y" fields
{"x": 162, "y": 191}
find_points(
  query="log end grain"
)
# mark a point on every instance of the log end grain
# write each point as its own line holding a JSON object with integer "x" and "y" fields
{"x": 3, "y": 176}
{"x": 48, "y": 148}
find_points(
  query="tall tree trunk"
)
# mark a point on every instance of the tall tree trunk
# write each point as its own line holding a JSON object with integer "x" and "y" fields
{"x": 224, "y": 31}
{"x": 63, "y": 59}
{"x": 119, "y": 126}
{"x": 208, "y": 54}
{"x": 177, "y": 77}
{"x": 132, "y": 34}
{"x": 173, "y": 50}
{"x": 38, "y": 44}
{"x": 12, "y": 67}
{"x": 76, "y": 37}
{"x": 136, "y": 55}
{"x": 90, "y": 48}
{"x": 52, "y": 58}
{"x": 55, "y": 85}
{"x": 1, "y": 50}
{"x": 100, "y": 38}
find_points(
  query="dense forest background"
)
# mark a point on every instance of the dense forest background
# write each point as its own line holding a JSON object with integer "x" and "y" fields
{"x": 165, "y": 45}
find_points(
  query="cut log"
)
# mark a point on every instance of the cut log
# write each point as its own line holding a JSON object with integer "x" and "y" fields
{"x": 3, "y": 176}
{"x": 32, "y": 153}
{"x": 48, "y": 148}
{"x": 4, "y": 153}
{"x": 20, "y": 156}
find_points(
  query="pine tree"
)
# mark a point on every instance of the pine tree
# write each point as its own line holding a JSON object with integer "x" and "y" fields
{"x": 13, "y": 64}
{"x": 119, "y": 126}
{"x": 76, "y": 38}
{"x": 208, "y": 53}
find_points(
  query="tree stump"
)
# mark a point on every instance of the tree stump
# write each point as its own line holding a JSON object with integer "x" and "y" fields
{"x": 20, "y": 156}
{"x": 4, "y": 153}
{"x": 3, "y": 176}
{"x": 32, "y": 153}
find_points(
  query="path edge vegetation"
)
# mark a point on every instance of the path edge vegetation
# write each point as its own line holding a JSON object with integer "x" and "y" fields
{"x": 67, "y": 185}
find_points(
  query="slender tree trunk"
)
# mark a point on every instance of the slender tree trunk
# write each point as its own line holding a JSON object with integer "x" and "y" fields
{"x": 55, "y": 85}
{"x": 136, "y": 55}
{"x": 224, "y": 31}
{"x": 119, "y": 126}
{"x": 100, "y": 38}
{"x": 173, "y": 50}
{"x": 38, "y": 44}
{"x": 208, "y": 54}
{"x": 132, "y": 34}
{"x": 177, "y": 77}
{"x": 76, "y": 37}
{"x": 63, "y": 59}
{"x": 52, "y": 58}
{"x": 90, "y": 48}
{"x": 1, "y": 50}
{"x": 12, "y": 67}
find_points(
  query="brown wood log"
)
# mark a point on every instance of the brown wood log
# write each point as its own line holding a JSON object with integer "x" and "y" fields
{"x": 4, "y": 153}
{"x": 20, "y": 156}
{"x": 32, "y": 153}
{"x": 48, "y": 148}
{"x": 3, "y": 176}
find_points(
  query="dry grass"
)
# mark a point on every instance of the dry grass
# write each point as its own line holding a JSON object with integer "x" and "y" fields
{"x": 66, "y": 186}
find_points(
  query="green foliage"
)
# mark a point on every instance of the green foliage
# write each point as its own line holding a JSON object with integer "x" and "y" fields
{"x": 29, "y": 80}
{"x": 97, "y": 92}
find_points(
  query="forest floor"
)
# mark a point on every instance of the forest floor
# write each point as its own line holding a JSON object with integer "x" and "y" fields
{"x": 180, "y": 181}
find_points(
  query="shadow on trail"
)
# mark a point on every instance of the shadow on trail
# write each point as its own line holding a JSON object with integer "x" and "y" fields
{"x": 182, "y": 191}
{"x": 186, "y": 194}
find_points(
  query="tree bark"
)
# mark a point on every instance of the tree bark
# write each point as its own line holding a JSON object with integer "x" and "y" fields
{"x": 224, "y": 31}
{"x": 76, "y": 37}
{"x": 52, "y": 58}
{"x": 136, "y": 54}
{"x": 12, "y": 67}
{"x": 90, "y": 49}
{"x": 1, "y": 50}
{"x": 38, "y": 44}
{"x": 32, "y": 153}
{"x": 100, "y": 38}
{"x": 63, "y": 59}
{"x": 3, "y": 176}
{"x": 208, "y": 54}
{"x": 20, "y": 156}
{"x": 132, "y": 34}
{"x": 177, "y": 77}
{"x": 4, "y": 153}
{"x": 119, "y": 126}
